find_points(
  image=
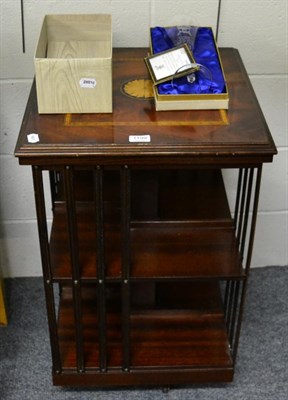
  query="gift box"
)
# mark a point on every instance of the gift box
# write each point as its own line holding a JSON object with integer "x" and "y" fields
{"x": 207, "y": 89}
{"x": 73, "y": 64}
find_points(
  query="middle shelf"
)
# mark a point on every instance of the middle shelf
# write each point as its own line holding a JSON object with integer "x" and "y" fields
{"x": 158, "y": 250}
{"x": 180, "y": 227}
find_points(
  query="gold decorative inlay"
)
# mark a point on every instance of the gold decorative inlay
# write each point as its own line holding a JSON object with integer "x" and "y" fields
{"x": 71, "y": 120}
{"x": 139, "y": 88}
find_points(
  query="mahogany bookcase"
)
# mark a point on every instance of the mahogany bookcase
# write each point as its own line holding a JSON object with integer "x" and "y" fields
{"x": 146, "y": 260}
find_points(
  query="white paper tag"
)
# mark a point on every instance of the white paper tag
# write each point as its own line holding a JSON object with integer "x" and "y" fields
{"x": 169, "y": 63}
{"x": 87, "y": 83}
{"x": 139, "y": 138}
{"x": 33, "y": 138}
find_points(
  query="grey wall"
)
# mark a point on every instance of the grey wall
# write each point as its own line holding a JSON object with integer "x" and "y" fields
{"x": 258, "y": 28}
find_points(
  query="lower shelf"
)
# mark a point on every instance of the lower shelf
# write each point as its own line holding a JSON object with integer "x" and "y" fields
{"x": 154, "y": 377}
{"x": 183, "y": 343}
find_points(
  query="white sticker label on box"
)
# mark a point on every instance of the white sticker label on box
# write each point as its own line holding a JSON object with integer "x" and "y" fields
{"x": 33, "y": 138}
{"x": 87, "y": 83}
{"x": 139, "y": 138}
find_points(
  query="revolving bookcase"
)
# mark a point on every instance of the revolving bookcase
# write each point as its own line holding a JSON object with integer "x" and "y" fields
{"x": 146, "y": 260}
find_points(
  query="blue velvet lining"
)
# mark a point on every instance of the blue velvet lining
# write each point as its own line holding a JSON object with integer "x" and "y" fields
{"x": 204, "y": 53}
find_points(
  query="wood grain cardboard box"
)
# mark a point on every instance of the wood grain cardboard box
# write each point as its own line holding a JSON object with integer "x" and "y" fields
{"x": 73, "y": 64}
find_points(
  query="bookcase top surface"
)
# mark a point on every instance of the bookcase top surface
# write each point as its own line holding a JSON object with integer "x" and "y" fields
{"x": 136, "y": 133}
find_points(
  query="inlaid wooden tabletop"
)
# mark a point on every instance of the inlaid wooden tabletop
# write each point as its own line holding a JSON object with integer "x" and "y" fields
{"x": 238, "y": 135}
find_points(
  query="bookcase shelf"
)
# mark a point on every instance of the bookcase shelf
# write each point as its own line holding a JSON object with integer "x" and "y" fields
{"x": 176, "y": 299}
{"x": 193, "y": 336}
{"x": 160, "y": 248}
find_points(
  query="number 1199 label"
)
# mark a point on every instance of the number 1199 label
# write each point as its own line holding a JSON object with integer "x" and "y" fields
{"x": 139, "y": 138}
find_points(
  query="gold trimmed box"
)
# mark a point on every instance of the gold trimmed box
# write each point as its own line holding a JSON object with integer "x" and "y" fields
{"x": 73, "y": 64}
{"x": 191, "y": 101}
{"x": 166, "y": 102}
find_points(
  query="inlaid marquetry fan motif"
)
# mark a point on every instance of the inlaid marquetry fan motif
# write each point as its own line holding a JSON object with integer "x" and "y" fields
{"x": 140, "y": 88}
